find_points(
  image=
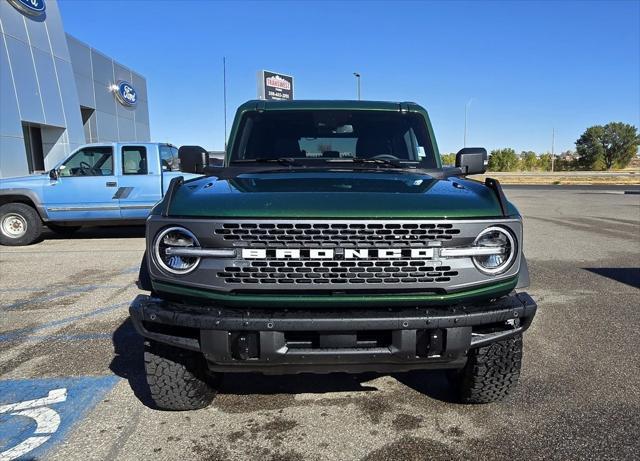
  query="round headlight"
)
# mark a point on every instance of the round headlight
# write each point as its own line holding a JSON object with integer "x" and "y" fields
{"x": 167, "y": 247}
{"x": 504, "y": 245}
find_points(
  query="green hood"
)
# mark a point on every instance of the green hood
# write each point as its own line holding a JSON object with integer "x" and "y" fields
{"x": 335, "y": 194}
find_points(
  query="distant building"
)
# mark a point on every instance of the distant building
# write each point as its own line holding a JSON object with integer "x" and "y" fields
{"x": 635, "y": 162}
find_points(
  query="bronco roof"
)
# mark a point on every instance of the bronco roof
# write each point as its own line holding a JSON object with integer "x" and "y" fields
{"x": 317, "y": 104}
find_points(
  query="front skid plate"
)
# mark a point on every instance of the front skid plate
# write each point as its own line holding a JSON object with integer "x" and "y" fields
{"x": 213, "y": 331}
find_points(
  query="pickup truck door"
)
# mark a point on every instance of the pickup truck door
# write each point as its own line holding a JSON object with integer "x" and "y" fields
{"x": 85, "y": 187}
{"x": 139, "y": 184}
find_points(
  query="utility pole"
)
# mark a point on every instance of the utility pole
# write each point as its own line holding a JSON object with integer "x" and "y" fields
{"x": 357, "y": 76}
{"x": 466, "y": 109}
{"x": 553, "y": 141}
{"x": 224, "y": 89}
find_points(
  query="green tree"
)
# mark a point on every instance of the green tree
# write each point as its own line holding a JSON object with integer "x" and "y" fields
{"x": 544, "y": 162}
{"x": 503, "y": 160}
{"x": 608, "y": 146}
{"x": 448, "y": 159}
{"x": 528, "y": 160}
{"x": 566, "y": 161}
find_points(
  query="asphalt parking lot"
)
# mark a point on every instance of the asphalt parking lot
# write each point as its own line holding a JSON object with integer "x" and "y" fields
{"x": 63, "y": 325}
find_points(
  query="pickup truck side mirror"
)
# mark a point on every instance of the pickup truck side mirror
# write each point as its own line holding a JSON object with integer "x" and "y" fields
{"x": 193, "y": 159}
{"x": 53, "y": 174}
{"x": 472, "y": 160}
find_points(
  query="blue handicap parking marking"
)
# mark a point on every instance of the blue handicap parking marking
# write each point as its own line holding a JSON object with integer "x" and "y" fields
{"x": 36, "y": 414}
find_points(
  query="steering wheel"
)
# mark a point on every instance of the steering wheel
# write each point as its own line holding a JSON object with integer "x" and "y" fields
{"x": 84, "y": 166}
{"x": 384, "y": 157}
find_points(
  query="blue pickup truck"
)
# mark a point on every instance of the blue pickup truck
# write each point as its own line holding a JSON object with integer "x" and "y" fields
{"x": 98, "y": 184}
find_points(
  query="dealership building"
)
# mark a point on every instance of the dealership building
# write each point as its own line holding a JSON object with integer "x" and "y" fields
{"x": 57, "y": 93}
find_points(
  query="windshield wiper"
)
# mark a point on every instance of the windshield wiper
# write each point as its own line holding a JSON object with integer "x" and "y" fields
{"x": 280, "y": 160}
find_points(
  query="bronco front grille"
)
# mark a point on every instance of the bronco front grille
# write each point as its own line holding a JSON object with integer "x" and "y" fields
{"x": 411, "y": 261}
{"x": 347, "y": 235}
{"x": 337, "y": 272}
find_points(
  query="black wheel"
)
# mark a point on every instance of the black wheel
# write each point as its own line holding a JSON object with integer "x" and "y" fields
{"x": 20, "y": 224}
{"x": 177, "y": 378}
{"x": 491, "y": 372}
{"x": 63, "y": 230}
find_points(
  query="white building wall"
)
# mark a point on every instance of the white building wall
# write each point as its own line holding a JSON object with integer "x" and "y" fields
{"x": 45, "y": 78}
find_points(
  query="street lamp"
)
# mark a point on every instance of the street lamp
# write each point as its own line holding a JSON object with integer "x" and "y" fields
{"x": 553, "y": 142}
{"x": 357, "y": 76}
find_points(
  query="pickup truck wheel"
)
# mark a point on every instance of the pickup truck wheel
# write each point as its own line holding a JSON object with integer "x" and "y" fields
{"x": 177, "y": 378}
{"x": 63, "y": 230}
{"x": 491, "y": 371}
{"x": 20, "y": 224}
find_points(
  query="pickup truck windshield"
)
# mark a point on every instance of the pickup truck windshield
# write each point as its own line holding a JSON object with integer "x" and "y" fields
{"x": 334, "y": 136}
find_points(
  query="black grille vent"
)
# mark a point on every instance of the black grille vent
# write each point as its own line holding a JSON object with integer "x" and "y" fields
{"x": 362, "y": 235}
{"x": 337, "y": 272}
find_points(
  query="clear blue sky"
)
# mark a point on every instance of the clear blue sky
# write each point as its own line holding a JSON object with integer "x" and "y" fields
{"x": 529, "y": 66}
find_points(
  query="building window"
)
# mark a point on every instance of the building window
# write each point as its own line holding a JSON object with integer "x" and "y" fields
{"x": 33, "y": 147}
{"x": 89, "y": 131}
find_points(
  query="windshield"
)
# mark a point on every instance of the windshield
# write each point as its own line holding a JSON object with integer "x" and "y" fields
{"x": 334, "y": 136}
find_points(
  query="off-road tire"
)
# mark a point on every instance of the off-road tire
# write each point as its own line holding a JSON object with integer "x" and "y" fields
{"x": 177, "y": 379}
{"x": 491, "y": 372}
{"x": 64, "y": 231}
{"x": 30, "y": 217}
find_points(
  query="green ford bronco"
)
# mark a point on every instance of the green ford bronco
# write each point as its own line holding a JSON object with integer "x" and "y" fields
{"x": 333, "y": 239}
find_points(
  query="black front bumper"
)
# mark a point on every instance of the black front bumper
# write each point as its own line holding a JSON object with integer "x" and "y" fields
{"x": 320, "y": 340}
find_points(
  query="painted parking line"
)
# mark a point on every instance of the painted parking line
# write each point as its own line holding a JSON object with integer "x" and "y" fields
{"x": 61, "y": 337}
{"x": 128, "y": 270}
{"x": 36, "y": 414}
{"x": 60, "y": 294}
{"x": 131, "y": 270}
{"x": 67, "y": 337}
{"x": 22, "y": 332}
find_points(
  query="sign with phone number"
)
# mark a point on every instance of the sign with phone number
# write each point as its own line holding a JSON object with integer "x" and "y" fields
{"x": 275, "y": 86}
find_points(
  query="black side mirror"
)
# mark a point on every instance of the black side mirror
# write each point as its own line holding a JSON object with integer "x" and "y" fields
{"x": 193, "y": 159}
{"x": 472, "y": 160}
{"x": 53, "y": 174}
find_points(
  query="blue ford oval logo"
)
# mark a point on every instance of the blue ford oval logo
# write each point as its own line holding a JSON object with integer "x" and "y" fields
{"x": 126, "y": 94}
{"x": 30, "y": 7}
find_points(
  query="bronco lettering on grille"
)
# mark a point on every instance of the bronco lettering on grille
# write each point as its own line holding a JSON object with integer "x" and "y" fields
{"x": 337, "y": 253}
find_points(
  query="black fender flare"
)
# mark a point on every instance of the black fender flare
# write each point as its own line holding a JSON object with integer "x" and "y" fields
{"x": 523, "y": 275}
{"x": 144, "y": 278}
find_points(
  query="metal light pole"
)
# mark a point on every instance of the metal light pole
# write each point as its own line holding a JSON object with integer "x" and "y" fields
{"x": 466, "y": 109}
{"x": 553, "y": 142}
{"x": 357, "y": 76}
{"x": 224, "y": 92}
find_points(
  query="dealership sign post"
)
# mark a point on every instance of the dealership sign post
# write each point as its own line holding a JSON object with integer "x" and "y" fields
{"x": 275, "y": 86}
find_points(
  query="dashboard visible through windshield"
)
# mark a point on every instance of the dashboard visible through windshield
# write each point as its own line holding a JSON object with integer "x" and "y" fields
{"x": 334, "y": 136}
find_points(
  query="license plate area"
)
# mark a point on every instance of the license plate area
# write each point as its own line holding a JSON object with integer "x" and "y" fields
{"x": 338, "y": 339}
